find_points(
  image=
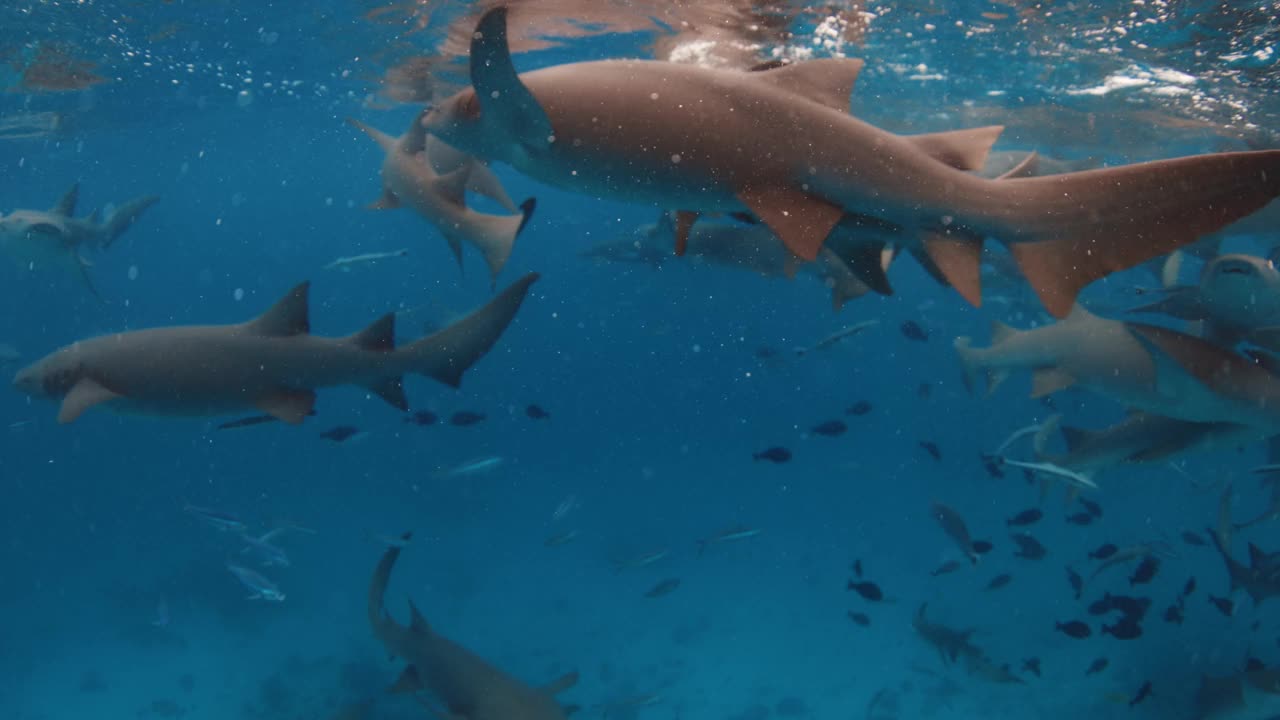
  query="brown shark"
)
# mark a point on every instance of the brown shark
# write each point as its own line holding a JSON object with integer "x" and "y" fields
{"x": 468, "y": 687}
{"x": 271, "y": 363}
{"x": 782, "y": 145}
{"x": 431, "y": 178}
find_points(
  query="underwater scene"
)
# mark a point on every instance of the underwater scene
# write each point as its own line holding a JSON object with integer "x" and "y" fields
{"x": 640, "y": 359}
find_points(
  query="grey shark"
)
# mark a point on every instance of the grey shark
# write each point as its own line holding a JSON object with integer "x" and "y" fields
{"x": 1237, "y": 299}
{"x": 424, "y": 174}
{"x": 54, "y": 237}
{"x": 272, "y": 363}
{"x": 468, "y": 687}
{"x": 781, "y": 145}
{"x": 1260, "y": 579}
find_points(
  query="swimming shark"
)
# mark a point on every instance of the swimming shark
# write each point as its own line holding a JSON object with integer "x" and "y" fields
{"x": 466, "y": 685}
{"x": 781, "y": 145}
{"x": 1260, "y": 579}
{"x": 955, "y": 645}
{"x": 272, "y": 363}
{"x": 1146, "y": 367}
{"x": 431, "y": 178}
{"x": 53, "y": 237}
{"x": 1237, "y": 299}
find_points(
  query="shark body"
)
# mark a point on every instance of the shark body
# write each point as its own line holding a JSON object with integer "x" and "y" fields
{"x": 271, "y": 363}
{"x": 781, "y": 145}
{"x": 468, "y": 687}
{"x": 54, "y": 237}
{"x": 410, "y": 177}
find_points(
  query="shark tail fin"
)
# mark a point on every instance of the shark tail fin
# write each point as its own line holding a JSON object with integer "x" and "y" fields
{"x": 493, "y": 235}
{"x": 124, "y": 217}
{"x": 1072, "y": 229}
{"x": 447, "y": 354}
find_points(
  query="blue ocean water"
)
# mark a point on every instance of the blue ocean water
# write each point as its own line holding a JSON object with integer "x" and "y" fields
{"x": 661, "y": 385}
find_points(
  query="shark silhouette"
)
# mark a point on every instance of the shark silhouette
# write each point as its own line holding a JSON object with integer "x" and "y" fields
{"x": 54, "y": 237}
{"x": 781, "y": 145}
{"x": 271, "y": 363}
{"x": 468, "y": 687}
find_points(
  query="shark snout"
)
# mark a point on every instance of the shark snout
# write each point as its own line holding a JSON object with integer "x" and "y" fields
{"x": 1236, "y": 267}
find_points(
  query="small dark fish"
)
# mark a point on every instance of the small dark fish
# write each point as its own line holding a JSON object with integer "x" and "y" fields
{"x": 1173, "y": 614}
{"x": 465, "y": 418}
{"x": 1224, "y": 605}
{"x": 830, "y": 428}
{"x": 1092, "y": 507}
{"x": 253, "y": 420}
{"x": 932, "y": 449}
{"x": 946, "y": 568}
{"x": 1031, "y": 665}
{"x": 859, "y": 618}
{"x": 773, "y": 455}
{"x": 1077, "y": 582}
{"x": 999, "y": 581}
{"x": 1074, "y": 628}
{"x": 1097, "y": 666}
{"x": 992, "y": 465}
{"x": 663, "y": 588}
{"x": 912, "y": 331}
{"x": 1144, "y": 692}
{"x": 1081, "y": 518}
{"x": 1126, "y": 629}
{"x": 868, "y": 590}
{"x": 764, "y": 352}
{"x": 982, "y": 547}
{"x": 341, "y": 433}
{"x": 423, "y": 417}
{"x": 860, "y": 408}
{"x": 924, "y": 391}
{"x": 1189, "y": 588}
{"x": 1145, "y": 571}
{"x": 857, "y": 568}
{"x": 1103, "y": 552}
{"x": 535, "y": 412}
{"x": 1192, "y": 538}
{"x": 1026, "y": 517}
{"x": 1028, "y": 547}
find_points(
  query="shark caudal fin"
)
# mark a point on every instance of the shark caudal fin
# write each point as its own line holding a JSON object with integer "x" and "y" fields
{"x": 1066, "y": 231}
{"x": 493, "y": 235}
{"x": 447, "y": 354}
{"x": 381, "y": 578}
{"x": 124, "y": 217}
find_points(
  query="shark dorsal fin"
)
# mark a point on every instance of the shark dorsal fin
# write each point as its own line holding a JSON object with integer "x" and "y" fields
{"x": 828, "y": 81}
{"x": 67, "y": 204}
{"x": 379, "y": 336}
{"x": 417, "y": 623}
{"x": 408, "y": 682}
{"x": 960, "y": 149}
{"x": 504, "y": 100}
{"x": 289, "y": 316}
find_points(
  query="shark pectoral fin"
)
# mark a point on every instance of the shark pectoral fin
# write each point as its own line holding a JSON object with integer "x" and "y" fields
{"x": 67, "y": 204}
{"x": 417, "y": 623}
{"x": 504, "y": 100}
{"x": 408, "y": 682}
{"x": 391, "y": 390}
{"x": 385, "y": 141}
{"x": 86, "y": 393}
{"x": 1046, "y": 381}
{"x": 388, "y": 201}
{"x": 683, "y": 224}
{"x": 288, "y": 317}
{"x": 959, "y": 258}
{"x": 867, "y": 262}
{"x": 828, "y": 81}
{"x": 562, "y": 683}
{"x": 802, "y": 221}
{"x": 288, "y": 406}
{"x": 960, "y": 149}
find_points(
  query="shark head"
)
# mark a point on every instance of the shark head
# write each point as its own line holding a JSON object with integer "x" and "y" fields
{"x": 29, "y": 225}
{"x": 50, "y": 377}
{"x": 1237, "y": 283}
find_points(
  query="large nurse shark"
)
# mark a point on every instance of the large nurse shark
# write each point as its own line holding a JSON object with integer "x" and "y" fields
{"x": 782, "y": 146}
{"x": 272, "y": 363}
